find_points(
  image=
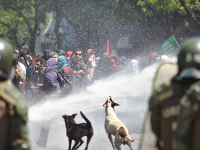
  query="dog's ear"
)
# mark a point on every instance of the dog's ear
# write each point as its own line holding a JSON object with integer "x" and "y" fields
{"x": 64, "y": 116}
{"x": 74, "y": 115}
{"x": 104, "y": 105}
{"x": 111, "y": 99}
{"x": 115, "y": 104}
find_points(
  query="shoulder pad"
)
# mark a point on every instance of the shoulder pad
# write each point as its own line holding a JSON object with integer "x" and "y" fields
{"x": 163, "y": 92}
{"x": 163, "y": 73}
{"x": 3, "y": 86}
{"x": 12, "y": 91}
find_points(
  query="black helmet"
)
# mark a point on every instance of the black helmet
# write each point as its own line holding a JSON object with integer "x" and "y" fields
{"x": 7, "y": 57}
{"x": 46, "y": 55}
{"x": 60, "y": 52}
{"x": 189, "y": 55}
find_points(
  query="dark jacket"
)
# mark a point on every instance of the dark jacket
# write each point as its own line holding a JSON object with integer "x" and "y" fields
{"x": 51, "y": 81}
{"x": 76, "y": 67}
{"x": 38, "y": 77}
{"x": 29, "y": 72}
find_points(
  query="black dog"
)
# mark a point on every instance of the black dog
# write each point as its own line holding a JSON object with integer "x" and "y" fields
{"x": 77, "y": 131}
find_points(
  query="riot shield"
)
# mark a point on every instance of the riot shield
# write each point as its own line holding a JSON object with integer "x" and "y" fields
{"x": 165, "y": 72}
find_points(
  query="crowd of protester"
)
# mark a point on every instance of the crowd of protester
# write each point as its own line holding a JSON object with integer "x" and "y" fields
{"x": 62, "y": 73}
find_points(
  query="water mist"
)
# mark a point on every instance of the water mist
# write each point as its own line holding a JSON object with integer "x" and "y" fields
{"x": 131, "y": 92}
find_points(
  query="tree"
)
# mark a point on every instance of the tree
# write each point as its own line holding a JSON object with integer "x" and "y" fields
{"x": 27, "y": 15}
{"x": 12, "y": 27}
{"x": 179, "y": 14}
{"x": 182, "y": 7}
{"x": 93, "y": 21}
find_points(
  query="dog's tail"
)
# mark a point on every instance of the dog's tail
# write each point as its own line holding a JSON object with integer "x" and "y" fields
{"x": 88, "y": 122}
{"x": 122, "y": 133}
{"x": 131, "y": 139}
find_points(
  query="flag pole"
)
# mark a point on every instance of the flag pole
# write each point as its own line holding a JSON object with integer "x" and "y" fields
{"x": 176, "y": 41}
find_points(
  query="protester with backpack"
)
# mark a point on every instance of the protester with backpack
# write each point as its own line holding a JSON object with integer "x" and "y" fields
{"x": 65, "y": 76}
{"x": 51, "y": 83}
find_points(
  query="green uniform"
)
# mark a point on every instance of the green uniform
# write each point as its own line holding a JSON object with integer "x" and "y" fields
{"x": 164, "y": 106}
{"x": 13, "y": 118}
{"x": 165, "y": 100}
{"x": 165, "y": 72}
{"x": 187, "y": 134}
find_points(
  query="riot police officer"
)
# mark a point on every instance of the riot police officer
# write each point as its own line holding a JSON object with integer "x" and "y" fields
{"x": 13, "y": 110}
{"x": 187, "y": 133}
{"x": 164, "y": 101}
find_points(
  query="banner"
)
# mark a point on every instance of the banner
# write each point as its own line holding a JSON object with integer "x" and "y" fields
{"x": 170, "y": 46}
{"x": 107, "y": 46}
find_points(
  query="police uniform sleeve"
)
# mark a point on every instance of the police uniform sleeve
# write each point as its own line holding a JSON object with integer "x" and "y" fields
{"x": 18, "y": 112}
{"x": 189, "y": 110}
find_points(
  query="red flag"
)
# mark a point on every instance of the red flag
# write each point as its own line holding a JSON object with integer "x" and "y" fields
{"x": 107, "y": 46}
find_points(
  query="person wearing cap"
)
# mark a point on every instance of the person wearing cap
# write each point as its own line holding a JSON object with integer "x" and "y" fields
{"x": 46, "y": 54}
{"x": 28, "y": 60}
{"x": 68, "y": 55}
{"x": 152, "y": 58}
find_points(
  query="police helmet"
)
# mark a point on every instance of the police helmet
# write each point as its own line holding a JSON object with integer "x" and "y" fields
{"x": 7, "y": 58}
{"x": 189, "y": 55}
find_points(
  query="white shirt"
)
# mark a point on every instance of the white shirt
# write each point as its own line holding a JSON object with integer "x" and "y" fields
{"x": 23, "y": 68}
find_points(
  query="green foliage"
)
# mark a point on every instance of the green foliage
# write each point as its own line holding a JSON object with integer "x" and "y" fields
{"x": 170, "y": 6}
{"x": 22, "y": 19}
{"x": 95, "y": 16}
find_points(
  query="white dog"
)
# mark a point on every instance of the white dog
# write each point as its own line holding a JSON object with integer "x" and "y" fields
{"x": 114, "y": 126}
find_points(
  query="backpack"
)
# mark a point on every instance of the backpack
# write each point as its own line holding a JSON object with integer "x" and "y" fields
{"x": 64, "y": 81}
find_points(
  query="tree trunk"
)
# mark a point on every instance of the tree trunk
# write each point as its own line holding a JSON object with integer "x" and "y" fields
{"x": 189, "y": 11}
{"x": 56, "y": 30}
{"x": 33, "y": 32}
